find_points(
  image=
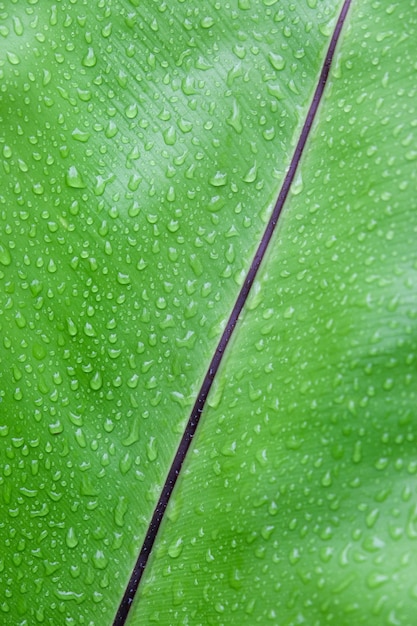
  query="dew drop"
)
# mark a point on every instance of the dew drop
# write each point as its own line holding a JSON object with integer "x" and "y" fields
{"x": 170, "y": 136}
{"x": 38, "y": 189}
{"x": 17, "y": 25}
{"x": 131, "y": 111}
{"x": 151, "y": 451}
{"x": 80, "y": 135}
{"x": 72, "y": 328}
{"x": 90, "y": 58}
{"x": 120, "y": 511}
{"x": 251, "y": 174}
{"x": 56, "y": 428}
{"x": 96, "y": 381}
{"x": 20, "y": 320}
{"x": 277, "y": 61}
{"x": 219, "y": 179}
{"x": 5, "y": 258}
{"x": 13, "y": 58}
{"x": 207, "y": 22}
{"x": 175, "y": 548}
{"x": 71, "y": 538}
{"x": 51, "y": 266}
{"x": 99, "y": 560}
{"x": 234, "y": 120}
{"x": 74, "y": 179}
{"x": 123, "y": 279}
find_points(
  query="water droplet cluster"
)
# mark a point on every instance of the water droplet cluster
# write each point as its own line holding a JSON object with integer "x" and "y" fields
{"x": 298, "y": 504}
{"x": 141, "y": 147}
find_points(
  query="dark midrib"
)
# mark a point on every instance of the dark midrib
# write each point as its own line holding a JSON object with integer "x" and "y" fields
{"x": 199, "y": 404}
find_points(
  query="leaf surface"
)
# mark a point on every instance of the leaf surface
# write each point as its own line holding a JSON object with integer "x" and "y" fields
{"x": 298, "y": 504}
{"x": 143, "y": 147}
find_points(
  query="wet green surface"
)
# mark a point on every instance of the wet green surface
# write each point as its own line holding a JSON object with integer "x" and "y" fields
{"x": 142, "y": 145}
{"x": 298, "y": 501}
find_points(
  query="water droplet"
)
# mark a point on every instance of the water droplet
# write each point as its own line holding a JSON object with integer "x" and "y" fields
{"x": 326, "y": 480}
{"x": 357, "y": 452}
{"x": 90, "y": 58}
{"x": 251, "y": 174}
{"x": 72, "y": 328}
{"x": 20, "y": 320}
{"x": 131, "y": 111}
{"x": 80, "y": 135}
{"x": 96, "y": 381}
{"x": 375, "y": 580}
{"x": 38, "y": 189}
{"x": 111, "y": 130}
{"x": 13, "y": 58}
{"x": 17, "y": 25}
{"x": 170, "y": 136}
{"x": 120, "y": 511}
{"x": 175, "y": 548}
{"x": 234, "y": 120}
{"x": 100, "y": 561}
{"x": 277, "y": 61}
{"x": 51, "y": 266}
{"x": 275, "y": 91}
{"x": 372, "y": 517}
{"x": 125, "y": 463}
{"x": 151, "y": 450}
{"x": 74, "y": 179}
{"x": 56, "y": 428}
{"x": 89, "y": 330}
{"x": 80, "y": 438}
{"x": 5, "y": 258}
{"x": 123, "y": 279}
{"x": 71, "y": 538}
{"x": 219, "y": 179}
{"x": 133, "y": 436}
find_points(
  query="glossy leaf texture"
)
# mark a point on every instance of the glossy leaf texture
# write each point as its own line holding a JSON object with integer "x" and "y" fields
{"x": 143, "y": 145}
{"x": 298, "y": 502}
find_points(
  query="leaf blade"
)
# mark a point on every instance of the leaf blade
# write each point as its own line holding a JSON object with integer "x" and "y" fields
{"x": 86, "y": 329}
{"x": 289, "y": 510}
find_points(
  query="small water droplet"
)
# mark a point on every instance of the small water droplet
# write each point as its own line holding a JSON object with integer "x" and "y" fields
{"x": 251, "y": 174}
{"x": 38, "y": 189}
{"x": 56, "y": 428}
{"x": 5, "y": 258}
{"x": 131, "y": 111}
{"x": 175, "y": 548}
{"x": 170, "y": 136}
{"x": 277, "y": 61}
{"x": 96, "y": 381}
{"x": 99, "y": 560}
{"x": 17, "y": 25}
{"x": 151, "y": 450}
{"x": 120, "y": 511}
{"x": 207, "y": 22}
{"x": 219, "y": 179}
{"x": 13, "y": 58}
{"x": 71, "y": 538}
{"x": 74, "y": 179}
{"x": 123, "y": 279}
{"x": 80, "y": 135}
{"x": 90, "y": 58}
{"x": 51, "y": 266}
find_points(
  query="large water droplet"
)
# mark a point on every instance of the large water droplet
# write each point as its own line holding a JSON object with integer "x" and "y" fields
{"x": 74, "y": 179}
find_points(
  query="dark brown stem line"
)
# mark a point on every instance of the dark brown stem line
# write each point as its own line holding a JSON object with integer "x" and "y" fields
{"x": 199, "y": 404}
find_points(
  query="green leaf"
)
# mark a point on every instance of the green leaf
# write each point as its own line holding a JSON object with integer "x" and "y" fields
{"x": 143, "y": 148}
